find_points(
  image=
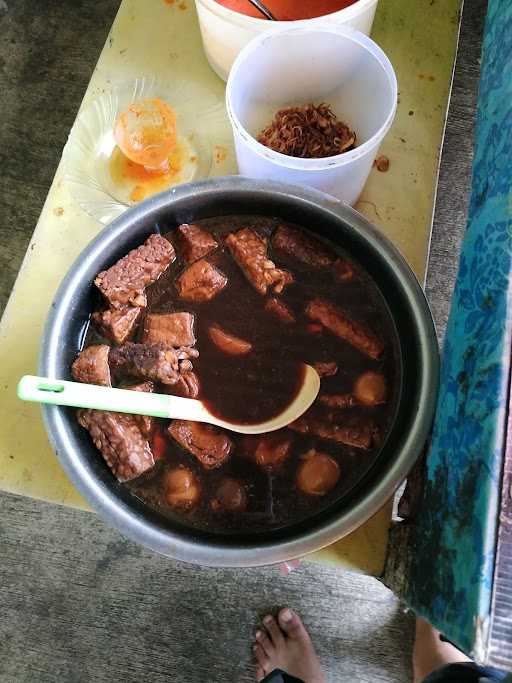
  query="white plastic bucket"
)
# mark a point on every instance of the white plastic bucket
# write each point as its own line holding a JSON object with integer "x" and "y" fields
{"x": 225, "y": 32}
{"x": 287, "y": 67}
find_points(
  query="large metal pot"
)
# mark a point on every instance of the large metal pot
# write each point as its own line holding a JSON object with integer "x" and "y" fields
{"x": 235, "y": 195}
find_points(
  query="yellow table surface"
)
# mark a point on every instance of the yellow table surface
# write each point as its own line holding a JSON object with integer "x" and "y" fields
{"x": 162, "y": 37}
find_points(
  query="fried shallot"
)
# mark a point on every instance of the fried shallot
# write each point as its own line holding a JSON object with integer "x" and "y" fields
{"x": 311, "y": 131}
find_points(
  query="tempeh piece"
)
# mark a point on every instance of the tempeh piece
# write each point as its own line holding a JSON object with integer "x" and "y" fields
{"x": 343, "y": 327}
{"x": 201, "y": 282}
{"x": 302, "y": 247}
{"x": 250, "y": 252}
{"x": 146, "y": 422}
{"x": 120, "y": 441}
{"x": 176, "y": 329}
{"x": 117, "y": 324}
{"x": 187, "y": 386}
{"x": 357, "y": 435}
{"x": 211, "y": 446}
{"x": 311, "y": 251}
{"x": 158, "y": 362}
{"x": 124, "y": 283}
{"x": 91, "y": 366}
{"x": 195, "y": 242}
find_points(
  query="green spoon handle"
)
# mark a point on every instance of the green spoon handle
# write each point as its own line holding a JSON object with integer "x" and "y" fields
{"x": 63, "y": 393}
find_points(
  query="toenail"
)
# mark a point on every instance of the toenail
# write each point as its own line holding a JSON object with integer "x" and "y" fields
{"x": 255, "y": 648}
{"x": 258, "y": 634}
{"x": 286, "y": 615}
{"x": 268, "y": 620}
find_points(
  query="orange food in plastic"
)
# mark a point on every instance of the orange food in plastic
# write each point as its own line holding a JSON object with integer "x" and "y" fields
{"x": 146, "y": 133}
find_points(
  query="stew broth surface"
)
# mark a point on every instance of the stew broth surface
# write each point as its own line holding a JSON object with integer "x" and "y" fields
{"x": 260, "y": 384}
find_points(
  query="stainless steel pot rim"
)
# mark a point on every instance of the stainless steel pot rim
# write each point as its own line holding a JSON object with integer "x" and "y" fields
{"x": 222, "y": 553}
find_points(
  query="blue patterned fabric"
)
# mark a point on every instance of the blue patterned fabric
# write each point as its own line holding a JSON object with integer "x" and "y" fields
{"x": 453, "y": 547}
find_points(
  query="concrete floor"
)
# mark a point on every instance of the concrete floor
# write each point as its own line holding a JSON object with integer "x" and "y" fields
{"x": 46, "y": 59}
{"x": 78, "y": 602}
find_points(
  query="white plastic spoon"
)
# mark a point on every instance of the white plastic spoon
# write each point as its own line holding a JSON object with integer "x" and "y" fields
{"x": 63, "y": 393}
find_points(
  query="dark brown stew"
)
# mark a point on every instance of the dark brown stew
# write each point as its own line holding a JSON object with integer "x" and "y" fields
{"x": 228, "y": 310}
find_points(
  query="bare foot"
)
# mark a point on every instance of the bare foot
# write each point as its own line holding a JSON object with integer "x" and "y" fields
{"x": 431, "y": 653}
{"x": 286, "y": 645}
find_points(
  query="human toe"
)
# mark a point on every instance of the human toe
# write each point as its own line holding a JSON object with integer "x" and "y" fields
{"x": 264, "y": 641}
{"x": 261, "y": 657}
{"x": 292, "y": 624}
{"x": 274, "y": 631}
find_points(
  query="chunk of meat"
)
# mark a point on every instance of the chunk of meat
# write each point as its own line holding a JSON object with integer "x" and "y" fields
{"x": 91, "y": 366}
{"x": 337, "y": 400}
{"x": 146, "y": 422}
{"x": 124, "y": 283}
{"x": 318, "y": 474}
{"x": 195, "y": 242}
{"x": 182, "y": 488}
{"x": 311, "y": 251}
{"x": 158, "y": 362}
{"x": 200, "y": 282}
{"x": 187, "y": 386}
{"x": 280, "y": 310}
{"x": 250, "y": 252}
{"x": 120, "y": 441}
{"x": 356, "y": 334}
{"x": 210, "y": 445}
{"x": 359, "y": 435}
{"x": 370, "y": 388}
{"x": 326, "y": 369}
{"x": 303, "y": 247}
{"x": 227, "y": 342}
{"x": 117, "y": 324}
{"x": 229, "y": 496}
{"x": 176, "y": 329}
{"x": 269, "y": 450}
